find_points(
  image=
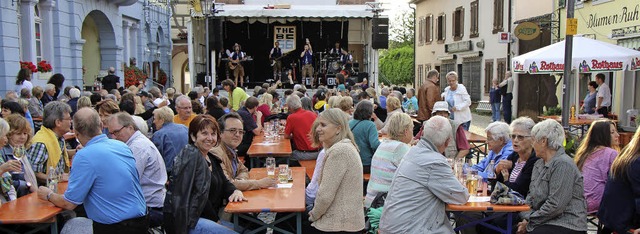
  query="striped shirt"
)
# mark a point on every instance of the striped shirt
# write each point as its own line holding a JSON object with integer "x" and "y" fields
{"x": 516, "y": 171}
{"x": 384, "y": 163}
{"x": 556, "y": 195}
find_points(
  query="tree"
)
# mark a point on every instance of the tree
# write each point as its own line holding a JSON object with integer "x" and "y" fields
{"x": 402, "y": 30}
{"x": 396, "y": 65}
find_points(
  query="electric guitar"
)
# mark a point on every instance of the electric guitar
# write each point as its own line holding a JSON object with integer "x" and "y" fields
{"x": 274, "y": 60}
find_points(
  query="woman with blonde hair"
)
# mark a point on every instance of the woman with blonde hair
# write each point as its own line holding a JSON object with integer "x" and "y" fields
{"x": 84, "y": 102}
{"x": 393, "y": 107}
{"x": 264, "y": 105}
{"x": 459, "y": 101}
{"x": 333, "y": 102}
{"x": 7, "y": 191}
{"x": 387, "y": 157}
{"x": 19, "y": 139}
{"x": 338, "y": 202}
{"x": 594, "y": 158}
{"x": 619, "y": 208}
{"x": 346, "y": 105}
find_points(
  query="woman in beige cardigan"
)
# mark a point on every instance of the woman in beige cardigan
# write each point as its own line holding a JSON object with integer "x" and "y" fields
{"x": 338, "y": 203}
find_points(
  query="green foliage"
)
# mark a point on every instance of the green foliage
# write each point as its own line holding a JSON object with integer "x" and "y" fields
{"x": 402, "y": 30}
{"x": 553, "y": 111}
{"x": 396, "y": 65}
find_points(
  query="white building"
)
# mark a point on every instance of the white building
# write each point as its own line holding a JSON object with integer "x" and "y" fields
{"x": 72, "y": 34}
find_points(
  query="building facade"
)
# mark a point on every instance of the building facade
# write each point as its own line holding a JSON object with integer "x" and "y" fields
{"x": 462, "y": 36}
{"x": 616, "y": 22}
{"x": 89, "y": 35}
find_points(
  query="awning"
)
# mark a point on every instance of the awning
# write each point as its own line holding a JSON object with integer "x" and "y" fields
{"x": 296, "y": 11}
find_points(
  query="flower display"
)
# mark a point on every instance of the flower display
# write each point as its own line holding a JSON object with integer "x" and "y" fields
{"x": 134, "y": 76}
{"x": 44, "y": 66}
{"x": 29, "y": 66}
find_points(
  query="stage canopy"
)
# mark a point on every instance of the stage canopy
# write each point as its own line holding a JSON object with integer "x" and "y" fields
{"x": 308, "y": 12}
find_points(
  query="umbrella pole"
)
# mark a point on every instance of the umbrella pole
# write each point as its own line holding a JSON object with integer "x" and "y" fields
{"x": 568, "y": 49}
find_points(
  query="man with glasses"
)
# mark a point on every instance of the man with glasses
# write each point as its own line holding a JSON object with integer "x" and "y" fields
{"x": 185, "y": 115}
{"x": 251, "y": 126}
{"x": 149, "y": 163}
{"x": 231, "y": 128}
{"x": 49, "y": 149}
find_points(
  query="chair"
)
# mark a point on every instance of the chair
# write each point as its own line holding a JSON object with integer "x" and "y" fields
{"x": 593, "y": 219}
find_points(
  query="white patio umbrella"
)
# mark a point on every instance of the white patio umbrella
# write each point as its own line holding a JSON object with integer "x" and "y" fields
{"x": 588, "y": 56}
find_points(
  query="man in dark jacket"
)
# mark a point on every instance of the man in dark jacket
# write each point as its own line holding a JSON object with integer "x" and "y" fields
{"x": 110, "y": 81}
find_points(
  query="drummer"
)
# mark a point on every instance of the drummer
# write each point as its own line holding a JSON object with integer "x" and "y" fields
{"x": 337, "y": 51}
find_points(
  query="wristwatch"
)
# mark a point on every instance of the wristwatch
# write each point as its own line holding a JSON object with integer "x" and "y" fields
{"x": 49, "y": 196}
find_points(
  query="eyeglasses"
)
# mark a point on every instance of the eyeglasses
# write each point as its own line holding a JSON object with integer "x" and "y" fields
{"x": 519, "y": 137}
{"x": 234, "y": 131}
{"x": 117, "y": 131}
{"x": 185, "y": 107}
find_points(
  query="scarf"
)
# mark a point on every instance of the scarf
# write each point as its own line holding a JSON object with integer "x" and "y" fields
{"x": 5, "y": 182}
{"x": 319, "y": 105}
{"x": 50, "y": 141}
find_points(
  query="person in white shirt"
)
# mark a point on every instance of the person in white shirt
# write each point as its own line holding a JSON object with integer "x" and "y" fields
{"x": 603, "y": 97}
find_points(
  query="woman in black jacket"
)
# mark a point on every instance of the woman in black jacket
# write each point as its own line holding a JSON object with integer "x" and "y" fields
{"x": 214, "y": 108}
{"x": 197, "y": 185}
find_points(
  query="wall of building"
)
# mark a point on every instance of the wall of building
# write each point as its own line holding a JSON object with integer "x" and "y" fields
{"x": 62, "y": 37}
{"x": 433, "y": 55}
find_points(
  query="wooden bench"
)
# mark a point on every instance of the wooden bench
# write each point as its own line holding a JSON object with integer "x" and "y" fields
{"x": 483, "y": 106}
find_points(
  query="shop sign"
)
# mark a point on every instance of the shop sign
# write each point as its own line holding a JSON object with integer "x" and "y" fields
{"x": 458, "y": 47}
{"x": 527, "y": 31}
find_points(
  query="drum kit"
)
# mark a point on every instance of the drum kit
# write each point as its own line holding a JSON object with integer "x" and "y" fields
{"x": 330, "y": 64}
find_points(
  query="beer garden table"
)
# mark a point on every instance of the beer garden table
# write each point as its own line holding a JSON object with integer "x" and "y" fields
{"x": 284, "y": 200}
{"x": 259, "y": 148}
{"x": 497, "y": 210}
{"x": 29, "y": 209}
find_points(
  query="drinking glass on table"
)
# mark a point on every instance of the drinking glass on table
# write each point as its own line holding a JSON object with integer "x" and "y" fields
{"x": 472, "y": 182}
{"x": 271, "y": 167}
{"x": 18, "y": 153}
{"x": 283, "y": 175}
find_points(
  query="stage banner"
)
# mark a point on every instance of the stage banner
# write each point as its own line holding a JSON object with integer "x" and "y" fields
{"x": 286, "y": 35}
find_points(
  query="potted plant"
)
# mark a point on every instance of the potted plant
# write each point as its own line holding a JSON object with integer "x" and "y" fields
{"x": 29, "y": 66}
{"x": 45, "y": 70}
{"x": 133, "y": 76}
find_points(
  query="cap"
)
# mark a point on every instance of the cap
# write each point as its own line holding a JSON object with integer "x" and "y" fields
{"x": 440, "y": 106}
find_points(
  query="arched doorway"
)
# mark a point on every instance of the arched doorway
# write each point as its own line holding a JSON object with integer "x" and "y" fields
{"x": 99, "y": 51}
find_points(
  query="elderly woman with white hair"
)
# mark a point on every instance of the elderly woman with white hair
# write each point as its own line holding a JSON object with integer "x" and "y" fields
{"x": 556, "y": 193}
{"x": 459, "y": 100}
{"x": 500, "y": 147}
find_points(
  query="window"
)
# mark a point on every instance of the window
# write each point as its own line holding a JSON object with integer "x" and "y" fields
{"x": 441, "y": 28}
{"x": 421, "y": 31}
{"x": 473, "y": 30}
{"x": 429, "y": 29}
{"x": 501, "y": 69}
{"x": 458, "y": 24}
{"x": 488, "y": 75}
{"x": 419, "y": 75}
{"x": 38, "y": 23}
{"x": 498, "y": 16}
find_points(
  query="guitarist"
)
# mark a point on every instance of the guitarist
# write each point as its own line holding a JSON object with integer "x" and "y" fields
{"x": 235, "y": 58}
{"x": 306, "y": 58}
{"x": 275, "y": 55}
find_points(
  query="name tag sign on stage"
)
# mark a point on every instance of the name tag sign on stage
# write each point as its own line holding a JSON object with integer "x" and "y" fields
{"x": 286, "y": 36}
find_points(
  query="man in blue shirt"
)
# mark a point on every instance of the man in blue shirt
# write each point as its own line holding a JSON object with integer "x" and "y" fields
{"x": 104, "y": 179}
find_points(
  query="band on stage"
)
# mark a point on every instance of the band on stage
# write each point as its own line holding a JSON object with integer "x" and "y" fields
{"x": 286, "y": 68}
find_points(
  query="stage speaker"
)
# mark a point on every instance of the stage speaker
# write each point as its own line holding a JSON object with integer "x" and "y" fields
{"x": 215, "y": 34}
{"x": 380, "y": 36}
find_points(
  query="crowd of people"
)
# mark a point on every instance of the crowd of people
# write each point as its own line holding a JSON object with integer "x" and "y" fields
{"x": 167, "y": 161}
